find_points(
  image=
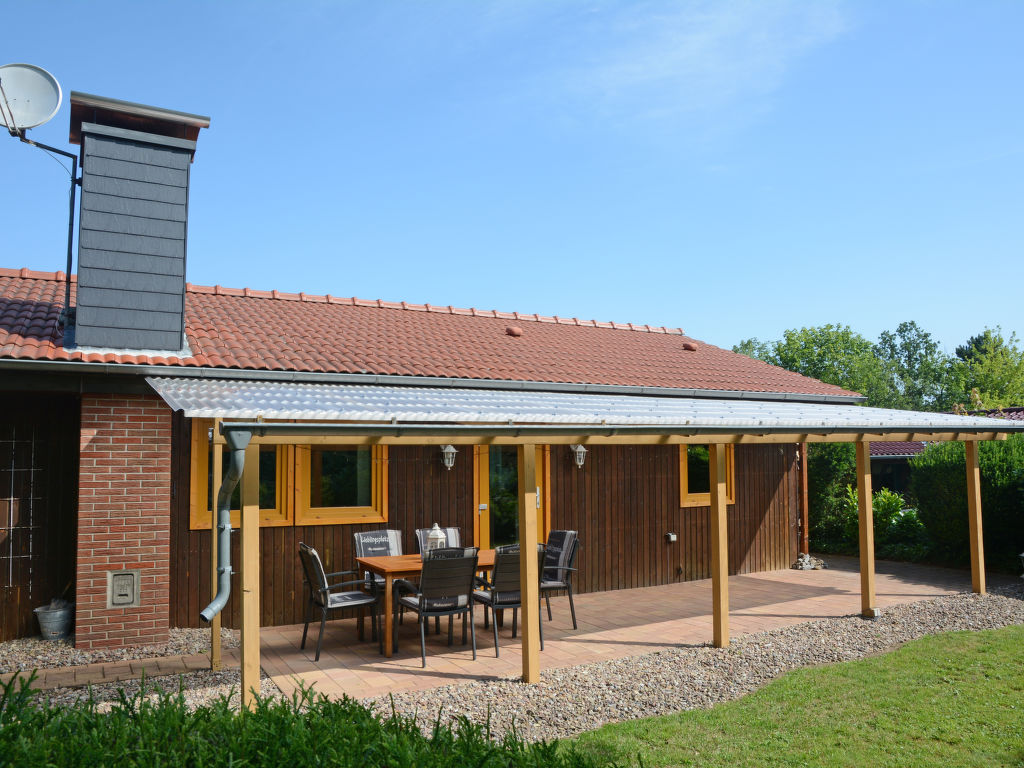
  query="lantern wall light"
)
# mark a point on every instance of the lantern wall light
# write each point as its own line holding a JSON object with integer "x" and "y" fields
{"x": 448, "y": 456}
{"x": 579, "y": 453}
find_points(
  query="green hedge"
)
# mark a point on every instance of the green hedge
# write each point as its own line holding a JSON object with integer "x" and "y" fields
{"x": 938, "y": 480}
{"x": 306, "y": 730}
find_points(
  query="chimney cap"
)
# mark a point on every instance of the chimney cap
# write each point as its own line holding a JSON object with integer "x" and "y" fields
{"x": 136, "y": 117}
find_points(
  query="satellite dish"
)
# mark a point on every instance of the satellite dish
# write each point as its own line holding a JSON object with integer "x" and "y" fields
{"x": 29, "y": 96}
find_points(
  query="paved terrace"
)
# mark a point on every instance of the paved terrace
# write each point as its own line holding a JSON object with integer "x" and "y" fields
{"x": 611, "y": 625}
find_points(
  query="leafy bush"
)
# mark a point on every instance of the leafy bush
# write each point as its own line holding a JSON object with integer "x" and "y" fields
{"x": 938, "y": 480}
{"x": 306, "y": 730}
{"x": 831, "y": 468}
{"x": 899, "y": 533}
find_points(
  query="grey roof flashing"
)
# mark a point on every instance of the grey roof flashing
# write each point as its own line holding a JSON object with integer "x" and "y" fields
{"x": 142, "y": 110}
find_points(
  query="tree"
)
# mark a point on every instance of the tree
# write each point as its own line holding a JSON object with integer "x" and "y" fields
{"x": 988, "y": 371}
{"x": 916, "y": 370}
{"x": 759, "y": 350}
{"x": 831, "y": 353}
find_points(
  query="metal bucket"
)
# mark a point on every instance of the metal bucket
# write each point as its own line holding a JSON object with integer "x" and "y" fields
{"x": 55, "y": 623}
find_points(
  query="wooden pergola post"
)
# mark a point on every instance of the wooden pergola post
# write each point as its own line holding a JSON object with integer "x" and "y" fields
{"x": 974, "y": 516}
{"x": 250, "y": 533}
{"x": 216, "y": 660}
{"x": 719, "y": 547}
{"x": 529, "y": 576}
{"x": 805, "y": 504}
{"x": 867, "y": 531}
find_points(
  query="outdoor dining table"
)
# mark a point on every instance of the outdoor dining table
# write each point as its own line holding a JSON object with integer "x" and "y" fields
{"x": 391, "y": 567}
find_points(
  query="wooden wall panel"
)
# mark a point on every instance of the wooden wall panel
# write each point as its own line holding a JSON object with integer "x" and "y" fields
{"x": 626, "y": 498}
{"x": 623, "y": 502}
{"x": 420, "y": 492}
{"x": 38, "y": 503}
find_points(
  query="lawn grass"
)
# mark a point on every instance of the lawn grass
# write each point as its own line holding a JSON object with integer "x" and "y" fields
{"x": 947, "y": 700}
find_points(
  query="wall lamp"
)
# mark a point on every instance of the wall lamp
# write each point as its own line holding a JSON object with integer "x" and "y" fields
{"x": 579, "y": 453}
{"x": 448, "y": 456}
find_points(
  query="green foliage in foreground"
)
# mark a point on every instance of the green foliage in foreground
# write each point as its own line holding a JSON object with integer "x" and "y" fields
{"x": 951, "y": 700}
{"x": 307, "y": 730}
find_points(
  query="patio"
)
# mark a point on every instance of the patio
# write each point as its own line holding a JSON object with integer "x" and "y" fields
{"x": 611, "y": 625}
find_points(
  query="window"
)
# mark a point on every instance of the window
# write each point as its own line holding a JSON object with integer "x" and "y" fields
{"x": 299, "y": 485}
{"x": 341, "y": 484}
{"x": 695, "y": 475}
{"x": 274, "y": 509}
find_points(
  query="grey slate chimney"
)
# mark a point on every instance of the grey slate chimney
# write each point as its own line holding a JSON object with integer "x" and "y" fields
{"x": 133, "y": 223}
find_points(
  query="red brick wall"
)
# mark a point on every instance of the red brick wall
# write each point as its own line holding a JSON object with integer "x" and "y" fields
{"x": 124, "y": 517}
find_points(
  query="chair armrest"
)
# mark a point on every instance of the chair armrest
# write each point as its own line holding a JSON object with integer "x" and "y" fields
{"x": 405, "y": 587}
{"x": 351, "y": 583}
{"x": 340, "y": 573}
{"x": 481, "y": 581}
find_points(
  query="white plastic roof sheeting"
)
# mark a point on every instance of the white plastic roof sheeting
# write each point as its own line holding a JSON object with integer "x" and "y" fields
{"x": 376, "y": 404}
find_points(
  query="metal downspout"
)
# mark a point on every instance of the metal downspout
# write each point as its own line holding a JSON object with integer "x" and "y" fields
{"x": 237, "y": 442}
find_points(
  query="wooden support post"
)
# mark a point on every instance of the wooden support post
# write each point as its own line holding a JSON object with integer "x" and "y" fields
{"x": 719, "y": 547}
{"x": 250, "y": 533}
{"x": 216, "y": 660}
{"x": 974, "y": 516}
{"x": 867, "y": 531}
{"x": 529, "y": 576}
{"x": 805, "y": 505}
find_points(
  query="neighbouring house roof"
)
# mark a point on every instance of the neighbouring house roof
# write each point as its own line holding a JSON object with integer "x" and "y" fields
{"x": 246, "y": 330}
{"x": 1014, "y": 413}
{"x": 896, "y": 449}
{"x": 396, "y": 407}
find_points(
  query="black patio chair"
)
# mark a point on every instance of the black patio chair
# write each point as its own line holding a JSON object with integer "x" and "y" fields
{"x": 445, "y": 589}
{"x": 558, "y": 568}
{"x": 452, "y": 538}
{"x": 503, "y": 590}
{"x": 380, "y": 543}
{"x": 322, "y": 593}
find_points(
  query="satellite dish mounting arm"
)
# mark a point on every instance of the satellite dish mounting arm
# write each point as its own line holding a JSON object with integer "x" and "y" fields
{"x": 15, "y": 130}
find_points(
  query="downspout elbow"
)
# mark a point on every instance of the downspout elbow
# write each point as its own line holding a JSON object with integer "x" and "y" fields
{"x": 237, "y": 442}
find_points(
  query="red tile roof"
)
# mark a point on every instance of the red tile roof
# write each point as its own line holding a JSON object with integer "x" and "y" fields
{"x": 1014, "y": 413}
{"x": 883, "y": 448}
{"x": 268, "y": 330}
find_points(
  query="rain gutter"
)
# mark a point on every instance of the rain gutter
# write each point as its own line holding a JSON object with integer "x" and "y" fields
{"x": 312, "y": 377}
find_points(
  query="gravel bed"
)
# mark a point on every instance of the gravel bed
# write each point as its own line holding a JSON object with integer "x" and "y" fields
{"x": 571, "y": 700}
{"x": 575, "y": 699}
{"x": 36, "y": 653}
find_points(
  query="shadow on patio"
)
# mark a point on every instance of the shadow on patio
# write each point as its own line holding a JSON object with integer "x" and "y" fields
{"x": 611, "y": 625}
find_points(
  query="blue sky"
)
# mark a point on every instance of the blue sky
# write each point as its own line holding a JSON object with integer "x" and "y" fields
{"x": 734, "y": 169}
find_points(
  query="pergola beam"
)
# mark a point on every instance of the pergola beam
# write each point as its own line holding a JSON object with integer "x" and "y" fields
{"x": 368, "y": 434}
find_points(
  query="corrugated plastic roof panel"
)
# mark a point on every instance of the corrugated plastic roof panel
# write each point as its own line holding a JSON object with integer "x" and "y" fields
{"x": 233, "y": 399}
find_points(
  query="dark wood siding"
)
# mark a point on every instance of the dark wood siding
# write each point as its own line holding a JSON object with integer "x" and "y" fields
{"x": 626, "y": 499}
{"x": 131, "y": 277}
{"x": 623, "y": 502}
{"x": 38, "y": 484}
{"x": 420, "y": 492}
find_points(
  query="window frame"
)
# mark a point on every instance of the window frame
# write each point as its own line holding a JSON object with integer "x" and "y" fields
{"x": 687, "y": 499}
{"x": 200, "y": 517}
{"x": 376, "y": 512}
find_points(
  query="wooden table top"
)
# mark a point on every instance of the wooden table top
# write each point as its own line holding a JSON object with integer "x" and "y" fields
{"x": 410, "y": 565}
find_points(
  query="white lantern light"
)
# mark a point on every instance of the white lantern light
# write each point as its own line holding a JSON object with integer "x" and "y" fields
{"x": 448, "y": 456}
{"x": 436, "y": 538}
{"x": 579, "y": 453}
